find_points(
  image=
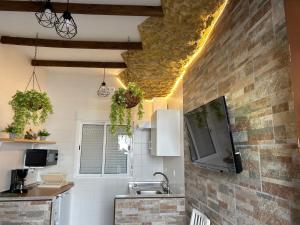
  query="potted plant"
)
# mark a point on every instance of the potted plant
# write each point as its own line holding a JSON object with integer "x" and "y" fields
{"x": 123, "y": 101}
{"x": 30, "y": 135}
{"x": 30, "y": 107}
{"x": 43, "y": 134}
{"x": 12, "y": 131}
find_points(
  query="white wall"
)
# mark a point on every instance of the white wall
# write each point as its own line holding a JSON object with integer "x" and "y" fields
{"x": 74, "y": 98}
{"x": 174, "y": 166}
{"x": 15, "y": 71}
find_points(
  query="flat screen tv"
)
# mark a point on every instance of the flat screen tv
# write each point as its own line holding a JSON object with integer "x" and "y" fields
{"x": 210, "y": 138}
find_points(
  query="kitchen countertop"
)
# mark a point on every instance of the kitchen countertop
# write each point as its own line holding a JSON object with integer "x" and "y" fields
{"x": 35, "y": 194}
{"x": 134, "y": 196}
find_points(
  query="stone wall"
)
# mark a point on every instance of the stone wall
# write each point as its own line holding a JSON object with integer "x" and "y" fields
{"x": 247, "y": 60}
{"x": 168, "y": 44}
{"x": 25, "y": 213}
{"x": 150, "y": 211}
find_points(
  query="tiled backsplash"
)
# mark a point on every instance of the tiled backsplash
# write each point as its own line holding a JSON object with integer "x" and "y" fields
{"x": 144, "y": 163}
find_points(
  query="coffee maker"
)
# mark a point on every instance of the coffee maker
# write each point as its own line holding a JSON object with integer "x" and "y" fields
{"x": 17, "y": 181}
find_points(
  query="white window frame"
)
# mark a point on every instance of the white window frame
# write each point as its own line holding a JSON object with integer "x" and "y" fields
{"x": 78, "y": 153}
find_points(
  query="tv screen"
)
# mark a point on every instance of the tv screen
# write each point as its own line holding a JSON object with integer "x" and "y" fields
{"x": 210, "y": 139}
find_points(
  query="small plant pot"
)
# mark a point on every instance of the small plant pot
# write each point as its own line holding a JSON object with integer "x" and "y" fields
{"x": 43, "y": 138}
{"x": 12, "y": 136}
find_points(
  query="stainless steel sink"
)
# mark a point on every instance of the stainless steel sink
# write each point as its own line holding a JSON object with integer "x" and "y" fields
{"x": 140, "y": 192}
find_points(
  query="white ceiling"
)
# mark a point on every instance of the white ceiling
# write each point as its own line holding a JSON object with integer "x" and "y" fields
{"x": 96, "y": 28}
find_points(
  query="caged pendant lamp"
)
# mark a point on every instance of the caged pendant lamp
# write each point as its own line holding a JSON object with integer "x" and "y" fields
{"x": 104, "y": 90}
{"x": 46, "y": 16}
{"x": 65, "y": 26}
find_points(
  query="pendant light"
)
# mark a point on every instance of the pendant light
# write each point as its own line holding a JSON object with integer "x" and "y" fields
{"x": 46, "y": 16}
{"x": 103, "y": 90}
{"x": 66, "y": 26}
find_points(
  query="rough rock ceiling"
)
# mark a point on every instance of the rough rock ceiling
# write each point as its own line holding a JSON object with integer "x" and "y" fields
{"x": 169, "y": 42}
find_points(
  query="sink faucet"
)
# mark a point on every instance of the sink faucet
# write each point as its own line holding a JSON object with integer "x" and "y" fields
{"x": 165, "y": 184}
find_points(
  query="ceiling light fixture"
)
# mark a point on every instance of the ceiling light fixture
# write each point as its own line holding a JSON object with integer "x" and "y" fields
{"x": 103, "y": 90}
{"x": 46, "y": 16}
{"x": 66, "y": 26}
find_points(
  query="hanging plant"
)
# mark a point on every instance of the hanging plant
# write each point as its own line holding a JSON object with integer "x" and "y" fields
{"x": 30, "y": 107}
{"x": 123, "y": 101}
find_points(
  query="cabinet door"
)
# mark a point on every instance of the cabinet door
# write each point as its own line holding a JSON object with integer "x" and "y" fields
{"x": 166, "y": 133}
{"x": 65, "y": 208}
{"x": 61, "y": 209}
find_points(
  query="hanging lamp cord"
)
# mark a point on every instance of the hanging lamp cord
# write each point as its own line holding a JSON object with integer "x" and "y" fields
{"x": 33, "y": 78}
{"x": 68, "y": 5}
{"x": 104, "y": 75}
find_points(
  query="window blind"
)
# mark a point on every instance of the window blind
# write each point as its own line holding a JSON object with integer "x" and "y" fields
{"x": 92, "y": 149}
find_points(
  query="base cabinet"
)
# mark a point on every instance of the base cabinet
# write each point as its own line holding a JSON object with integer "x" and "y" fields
{"x": 25, "y": 213}
{"x": 141, "y": 211}
{"x": 56, "y": 212}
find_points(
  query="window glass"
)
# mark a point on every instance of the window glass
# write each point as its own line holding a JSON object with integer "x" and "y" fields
{"x": 115, "y": 160}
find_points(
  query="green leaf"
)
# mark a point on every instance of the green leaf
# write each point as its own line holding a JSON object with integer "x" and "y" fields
{"x": 119, "y": 114}
{"x": 30, "y": 107}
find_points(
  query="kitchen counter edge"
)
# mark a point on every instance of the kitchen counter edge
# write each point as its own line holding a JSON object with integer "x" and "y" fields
{"x": 37, "y": 194}
{"x": 133, "y": 196}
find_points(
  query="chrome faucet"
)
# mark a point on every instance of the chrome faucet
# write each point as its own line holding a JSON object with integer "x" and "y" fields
{"x": 165, "y": 184}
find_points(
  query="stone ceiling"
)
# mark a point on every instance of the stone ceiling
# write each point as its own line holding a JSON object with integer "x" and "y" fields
{"x": 168, "y": 42}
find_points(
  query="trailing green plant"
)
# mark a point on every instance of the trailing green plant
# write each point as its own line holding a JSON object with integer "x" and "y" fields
{"x": 123, "y": 101}
{"x": 11, "y": 129}
{"x": 30, "y": 107}
{"x": 43, "y": 133}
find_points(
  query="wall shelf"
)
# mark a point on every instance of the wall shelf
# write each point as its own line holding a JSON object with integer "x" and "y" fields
{"x": 24, "y": 141}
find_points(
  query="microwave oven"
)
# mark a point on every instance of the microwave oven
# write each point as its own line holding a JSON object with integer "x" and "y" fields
{"x": 40, "y": 157}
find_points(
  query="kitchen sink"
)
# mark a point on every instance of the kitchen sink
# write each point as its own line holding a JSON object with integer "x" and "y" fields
{"x": 148, "y": 192}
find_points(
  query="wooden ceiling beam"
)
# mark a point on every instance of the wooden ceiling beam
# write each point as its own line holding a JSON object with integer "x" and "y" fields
{"x": 71, "y": 44}
{"x": 85, "y": 8}
{"x": 83, "y": 64}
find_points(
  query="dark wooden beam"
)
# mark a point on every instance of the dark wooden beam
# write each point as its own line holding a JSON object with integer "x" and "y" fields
{"x": 87, "y": 9}
{"x": 84, "y": 64}
{"x": 71, "y": 44}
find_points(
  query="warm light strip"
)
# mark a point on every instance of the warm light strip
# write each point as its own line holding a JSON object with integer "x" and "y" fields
{"x": 122, "y": 84}
{"x": 201, "y": 48}
{"x": 198, "y": 52}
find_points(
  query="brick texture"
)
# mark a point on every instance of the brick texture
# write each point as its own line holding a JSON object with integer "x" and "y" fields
{"x": 150, "y": 211}
{"x": 247, "y": 60}
{"x": 25, "y": 213}
{"x": 168, "y": 44}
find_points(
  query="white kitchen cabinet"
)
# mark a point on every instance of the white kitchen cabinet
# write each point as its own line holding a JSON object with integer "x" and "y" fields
{"x": 61, "y": 209}
{"x": 165, "y": 133}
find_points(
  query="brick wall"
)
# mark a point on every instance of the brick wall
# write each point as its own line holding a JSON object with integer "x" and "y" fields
{"x": 150, "y": 211}
{"x": 25, "y": 213}
{"x": 247, "y": 60}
